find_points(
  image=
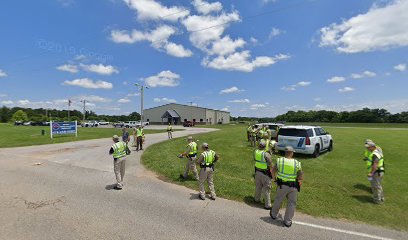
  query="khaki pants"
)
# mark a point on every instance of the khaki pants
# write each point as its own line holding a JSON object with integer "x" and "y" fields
{"x": 378, "y": 193}
{"x": 191, "y": 165}
{"x": 291, "y": 194}
{"x": 206, "y": 174}
{"x": 169, "y": 134}
{"x": 263, "y": 185}
{"x": 119, "y": 169}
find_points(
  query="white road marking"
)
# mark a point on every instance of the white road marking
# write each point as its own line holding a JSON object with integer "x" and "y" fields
{"x": 342, "y": 231}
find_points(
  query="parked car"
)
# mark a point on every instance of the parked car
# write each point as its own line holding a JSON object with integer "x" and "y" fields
{"x": 90, "y": 124}
{"x": 131, "y": 124}
{"x": 188, "y": 124}
{"x": 103, "y": 123}
{"x": 18, "y": 123}
{"x": 305, "y": 139}
{"x": 27, "y": 123}
{"x": 118, "y": 124}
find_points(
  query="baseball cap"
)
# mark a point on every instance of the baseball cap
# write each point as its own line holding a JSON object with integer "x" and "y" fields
{"x": 115, "y": 137}
{"x": 289, "y": 149}
{"x": 369, "y": 144}
{"x": 190, "y": 138}
{"x": 204, "y": 145}
{"x": 262, "y": 143}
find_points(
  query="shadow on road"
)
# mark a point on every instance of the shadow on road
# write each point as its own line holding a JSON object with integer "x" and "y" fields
{"x": 194, "y": 196}
{"x": 249, "y": 200}
{"x": 363, "y": 198}
{"x": 278, "y": 222}
{"x": 362, "y": 187}
{"x": 111, "y": 187}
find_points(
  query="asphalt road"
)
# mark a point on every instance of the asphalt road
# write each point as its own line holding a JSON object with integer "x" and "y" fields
{"x": 69, "y": 196}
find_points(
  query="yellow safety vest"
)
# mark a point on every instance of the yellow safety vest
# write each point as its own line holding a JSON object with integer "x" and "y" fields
{"x": 169, "y": 128}
{"x": 288, "y": 169}
{"x": 193, "y": 148}
{"x": 209, "y": 157}
{"x": 119, "y": 150}
{"x": 260, "y": 161}
{"x": 139, "y": 132}
{"x": 370, "y": 162}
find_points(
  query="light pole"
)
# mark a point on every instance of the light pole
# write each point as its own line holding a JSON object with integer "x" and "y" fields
{"x": 83, "y": 117}
{"x": 141, "y": 88}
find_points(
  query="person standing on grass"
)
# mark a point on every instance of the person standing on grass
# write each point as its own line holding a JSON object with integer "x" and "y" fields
{"x": 249, "y": 132}
{"x": 191, "y": 154}
{"x": 206, "y": 161}
{"x": 253, "y": 136}
{"x": 118, "y": 151}
{"x": 170, "y": 131}
{"x": 139, "y": 138}
{"x": 288, "y": 173}
{"x": 375, "y": 169}
{"x": 263, "y": 177}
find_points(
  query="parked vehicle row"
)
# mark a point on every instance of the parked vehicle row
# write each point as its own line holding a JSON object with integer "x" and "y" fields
{"x": 129, "y": 124}
{"x": 311, "y": 140}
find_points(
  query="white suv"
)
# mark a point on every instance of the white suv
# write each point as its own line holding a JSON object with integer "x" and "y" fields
{"x": 305, "y": 139}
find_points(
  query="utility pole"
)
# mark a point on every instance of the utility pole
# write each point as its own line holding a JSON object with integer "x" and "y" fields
{"x": 141, "y": 87}
{"x": 84, "y": 109}
{"x": 191, "y": 111}
{"x": 69, "y": 108}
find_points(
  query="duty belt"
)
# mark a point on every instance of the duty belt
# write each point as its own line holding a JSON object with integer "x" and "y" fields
{"x": 192, "y": 155}
{"x": 207, "y": 166}
{"x": 264, "y": 171}
{"x": 289, "y": 184}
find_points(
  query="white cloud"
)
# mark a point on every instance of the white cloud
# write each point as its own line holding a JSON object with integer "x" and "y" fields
{"x": 336, "y": 79}
{"x": 240, "y": 61}
{"x": 346, "y": 89}
{"x": 363, "y": 75}
{"x": 89, "y": 98}
{"x": 226, "y": 109}
{"x": 258, "y": 106}
{"x": 177, "y": 50}
{"x": 289, "y": 89}
{"x": 100, "y": 69}
{"x": 274, "y": 32}
{"x": 226, "y": 46}
{"x": 240, "y": 101}
{"x": 163, "y": 79}
{"x": 400, "y": 67}
{"x": 6, "y": 102}
{"x": 133, "y": 94}
{"x": 205, "y": 29}
{"x": 88, "y": 83}
{"x": 152, "y": 10}
{"x": 253, "y": 40}
{"x": 167, "y": 100}
{"x": 317, "y": 99}
{"x": 206, "y": 7}
{"x": 158, "y": 38}
{"x": 3, "y": 73}
{"x": 231, "y": 90}
{"x": 68, "y": 68}
{"x": 380, "y": 28}
{"x": 3, "y": 95}
{"x": 124, "y": 100}
{"x": 66, "y": 3}
{"x": 80, "y": 57}
{"x": 303, "y": 84}
{"x": 23, "y": 102}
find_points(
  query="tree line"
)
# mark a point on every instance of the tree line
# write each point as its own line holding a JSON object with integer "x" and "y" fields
{"x": 44, "y": 115}
{"x": 364, "y": 115}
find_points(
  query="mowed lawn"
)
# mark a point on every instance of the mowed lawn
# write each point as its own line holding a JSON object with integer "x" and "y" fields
{"x": 335, "y": 184}
{"x": 17, "y": 136}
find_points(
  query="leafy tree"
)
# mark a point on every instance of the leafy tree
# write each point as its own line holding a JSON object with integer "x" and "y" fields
{"x": 20, "y": 115}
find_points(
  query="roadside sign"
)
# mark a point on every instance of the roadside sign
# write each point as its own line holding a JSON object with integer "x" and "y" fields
{"x": 61, "y": 128}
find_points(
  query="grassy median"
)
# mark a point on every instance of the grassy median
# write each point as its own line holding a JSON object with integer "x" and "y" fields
{"x": 335, "y": 184}
{"x": 17, "y": 136}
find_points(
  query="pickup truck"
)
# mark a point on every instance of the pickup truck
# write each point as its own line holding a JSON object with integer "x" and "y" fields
{"x": 90, "y": 124}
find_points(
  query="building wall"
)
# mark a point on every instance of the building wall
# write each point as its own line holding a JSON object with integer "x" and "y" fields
{"x": 214, "y": 117}
{"x": 186, "y": 112}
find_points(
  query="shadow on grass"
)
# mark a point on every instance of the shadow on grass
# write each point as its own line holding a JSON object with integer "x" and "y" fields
{"x": 362, "y": 187}
{"x": 363, "y": 198}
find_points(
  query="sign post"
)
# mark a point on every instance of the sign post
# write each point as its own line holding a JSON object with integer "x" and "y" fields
{"x": 62, "y": 128}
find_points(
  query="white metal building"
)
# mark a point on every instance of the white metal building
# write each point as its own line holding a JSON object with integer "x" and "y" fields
{"x": 178, "y": 113}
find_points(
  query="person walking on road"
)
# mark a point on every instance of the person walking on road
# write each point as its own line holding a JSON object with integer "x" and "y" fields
{"x": 125, "y": 136}
{"x": 118, "y": 151}
{"x": 263, "y": 176}
{"x": 170, "y": 131}
{"x": 288, "y": 173}
{"x": 191, "y": 154}
{"x": 206, "y": 161}
{"x": 375, "y": 169}
{"x": 139, "y": 138}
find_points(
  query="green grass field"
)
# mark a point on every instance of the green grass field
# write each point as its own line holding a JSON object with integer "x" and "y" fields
{"x": 335, "y": 184}
{"x": 17, "y": 136}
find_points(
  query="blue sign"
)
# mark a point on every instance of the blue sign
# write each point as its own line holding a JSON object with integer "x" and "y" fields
{"x": 63, "y": 128}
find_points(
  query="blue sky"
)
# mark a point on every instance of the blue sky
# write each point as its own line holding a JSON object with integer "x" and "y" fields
{"x": 253, "y": 58}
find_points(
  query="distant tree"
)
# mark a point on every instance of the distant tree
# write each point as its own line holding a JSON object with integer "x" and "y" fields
{"x": 20, "y": 115}
{"x": 134, "y": 116}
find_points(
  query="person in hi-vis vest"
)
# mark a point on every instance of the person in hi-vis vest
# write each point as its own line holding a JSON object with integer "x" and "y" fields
{"x": 118, "y": 151}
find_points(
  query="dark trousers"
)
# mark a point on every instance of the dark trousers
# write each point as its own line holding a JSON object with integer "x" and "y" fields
{"x": 139, "y": 143}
